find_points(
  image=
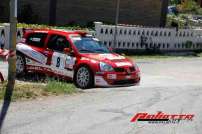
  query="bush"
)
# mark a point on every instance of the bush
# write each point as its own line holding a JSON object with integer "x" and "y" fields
{"x": 37, "y": 26}
{"x": 189, "y": 6}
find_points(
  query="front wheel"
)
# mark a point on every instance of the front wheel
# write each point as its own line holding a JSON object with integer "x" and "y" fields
{"x": 84, "y": 78}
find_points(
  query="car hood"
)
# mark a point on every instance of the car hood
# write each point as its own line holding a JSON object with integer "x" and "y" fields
{"x": 113, "y": 59}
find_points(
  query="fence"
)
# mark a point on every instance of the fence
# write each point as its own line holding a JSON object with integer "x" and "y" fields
{"x": 4, "y": 35}
{"x": 145, "y": 38}
{"x": 135, "y": 37}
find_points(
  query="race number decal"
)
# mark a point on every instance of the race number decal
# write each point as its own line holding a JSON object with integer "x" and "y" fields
{"x": 58, "y": 62}
{"x": 62, "y": 64}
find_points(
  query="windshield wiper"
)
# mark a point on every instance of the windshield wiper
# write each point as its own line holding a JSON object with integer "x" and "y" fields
{"x": 100, "y": 50}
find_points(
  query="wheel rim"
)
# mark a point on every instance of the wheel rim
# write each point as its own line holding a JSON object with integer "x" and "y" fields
{"x": 83, "y": 76}
{"x": 19, "y": 64}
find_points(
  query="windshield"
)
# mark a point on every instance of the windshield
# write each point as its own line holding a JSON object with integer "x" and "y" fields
{"x": 89, "y": 45}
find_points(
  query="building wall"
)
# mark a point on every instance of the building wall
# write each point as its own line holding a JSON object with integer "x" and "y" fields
{"x": 144, "y": 12}
{"x": 139, "y": 12}
{"x": 40, "y": 9}
{"x": 4, "y": 11}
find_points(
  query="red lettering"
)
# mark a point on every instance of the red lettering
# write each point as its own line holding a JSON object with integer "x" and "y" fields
{"x": 139, "y": 116}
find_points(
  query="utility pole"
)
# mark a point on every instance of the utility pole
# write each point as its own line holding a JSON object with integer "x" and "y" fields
{"x": 11, "y": 61}
{"x": 116, "y": 23}
{"x": 12, "y": 48}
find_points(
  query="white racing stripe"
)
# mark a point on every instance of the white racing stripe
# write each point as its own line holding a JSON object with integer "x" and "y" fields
{"x": 28, "y": 51}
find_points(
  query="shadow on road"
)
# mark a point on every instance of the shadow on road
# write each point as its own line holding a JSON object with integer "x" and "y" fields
{"x": 6, "y": 104}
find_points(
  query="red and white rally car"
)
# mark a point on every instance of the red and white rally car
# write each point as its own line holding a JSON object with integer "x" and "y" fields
{"x": 74, "y": 55}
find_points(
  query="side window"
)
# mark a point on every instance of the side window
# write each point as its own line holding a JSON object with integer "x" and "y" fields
{"x": 58, "y": 43}
{"x": 36, "y": 39}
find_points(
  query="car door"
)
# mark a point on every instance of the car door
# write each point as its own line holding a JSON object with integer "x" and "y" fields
{"x": 61, "y": 64}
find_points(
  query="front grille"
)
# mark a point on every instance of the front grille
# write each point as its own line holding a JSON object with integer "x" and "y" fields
{"x": 123, "y": 82}
{"x": 132, "y": 69}
{"x": 119, "y": 69}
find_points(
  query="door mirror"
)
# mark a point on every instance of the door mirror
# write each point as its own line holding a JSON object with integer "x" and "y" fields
{"x": 67, "y": 50}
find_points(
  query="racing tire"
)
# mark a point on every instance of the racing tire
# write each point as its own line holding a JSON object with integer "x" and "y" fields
{"x": 84, "y": 78}
{"x": 20, "y": 65}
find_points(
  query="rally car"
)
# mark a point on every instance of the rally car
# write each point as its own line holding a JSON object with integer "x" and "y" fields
{"x": 74, "y": 55}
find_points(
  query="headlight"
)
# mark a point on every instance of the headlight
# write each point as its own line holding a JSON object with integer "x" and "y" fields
{"x": 105, "y": 67}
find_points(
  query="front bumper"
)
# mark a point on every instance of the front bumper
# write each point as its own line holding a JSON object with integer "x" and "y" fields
{"x": 107, "y": 79}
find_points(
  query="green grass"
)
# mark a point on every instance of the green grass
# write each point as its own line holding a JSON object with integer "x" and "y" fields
{"x": 59, "y": 87}
{"x": 26, "y": 90}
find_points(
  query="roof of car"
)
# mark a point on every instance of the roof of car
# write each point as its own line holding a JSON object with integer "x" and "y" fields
{"x": 57, "y": 31}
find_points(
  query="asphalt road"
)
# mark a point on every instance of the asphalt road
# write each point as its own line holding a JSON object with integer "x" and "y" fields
{"x": 172, "y": 86}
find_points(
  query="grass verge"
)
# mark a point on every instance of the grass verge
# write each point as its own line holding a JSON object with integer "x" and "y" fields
{"x": 27, "y": 90}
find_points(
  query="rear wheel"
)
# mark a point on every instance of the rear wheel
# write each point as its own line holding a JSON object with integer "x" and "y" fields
{"x": 84, "y": 78}
{"x": 20, "y": 65}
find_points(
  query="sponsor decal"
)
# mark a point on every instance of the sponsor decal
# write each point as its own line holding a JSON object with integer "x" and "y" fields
{"x": 28, "y": 51}
{"x": 84, "y": 58}
{"x": 69, "y": 62}
{"x": 93, "y": 61}
{"x": 111, "y": 57}
{"x": 112, "y": 76}
{"x": 119, "y": 64}
{"x": 99, "y": 81}
{"x": 75, "y": 37}
{"x": 161, "y": 117}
